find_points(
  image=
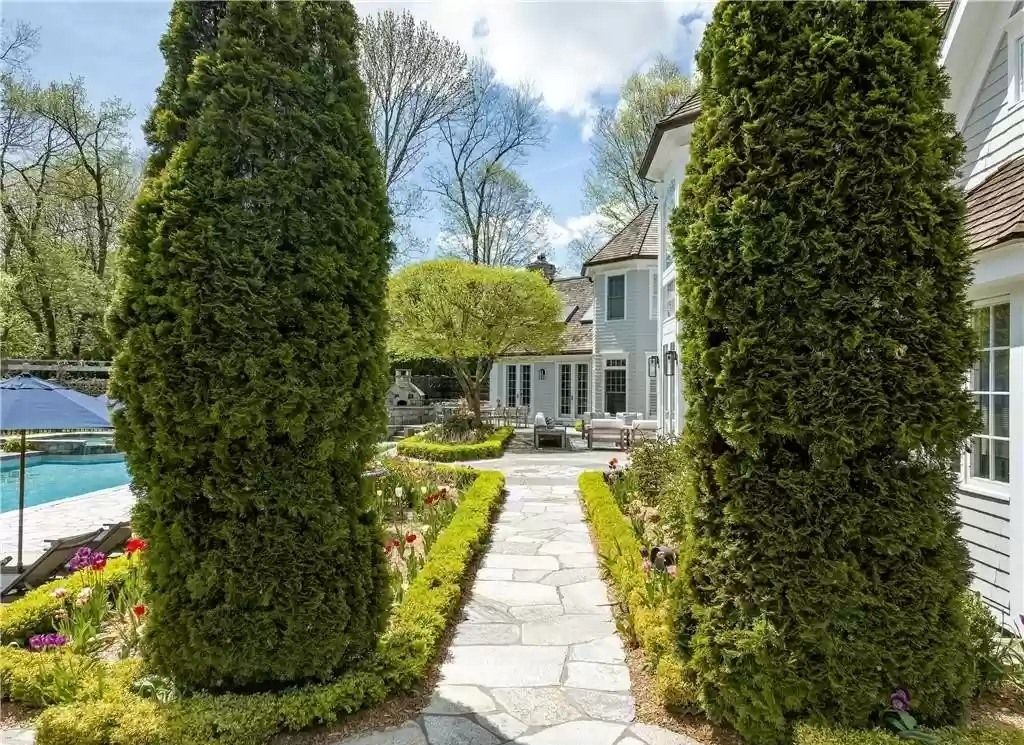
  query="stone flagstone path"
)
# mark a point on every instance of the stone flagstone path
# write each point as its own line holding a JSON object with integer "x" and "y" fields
{"x": 536, "y": 660}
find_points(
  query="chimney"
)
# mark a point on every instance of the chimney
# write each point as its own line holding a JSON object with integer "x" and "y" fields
{"x": 542, "y": 265}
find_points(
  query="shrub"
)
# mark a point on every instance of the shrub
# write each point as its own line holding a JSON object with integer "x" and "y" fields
{"x": 403, "y": 656}
{"x": 987, "y": 649}
{"x": 34, "y": 612}
{"x": 252, "y": 366}
{"x": 652, "y": 463}
{"x": 650, "y": 618}
{"x": 822, "y": 270}
{"x": 418, "y": 446}
{"x": 815, "y": 735}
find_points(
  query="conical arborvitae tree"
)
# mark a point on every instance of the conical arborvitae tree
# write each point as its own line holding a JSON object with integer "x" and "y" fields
{"x": 252, "y": 367}
{"x": 822, "y": 275}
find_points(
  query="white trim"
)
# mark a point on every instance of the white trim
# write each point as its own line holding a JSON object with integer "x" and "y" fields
{"x": 625, "y": 295}
{"x": 652, "y": 292}
{"x": 604, "y": 379}
{"x": 1014, "y": 29}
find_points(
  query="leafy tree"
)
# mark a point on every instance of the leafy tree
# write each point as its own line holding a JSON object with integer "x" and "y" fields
{"x": 822, "y": 270}
{"x": 252, "y": 365}
{"x": 470, "y": 315}
{"x": 612, "y": 185}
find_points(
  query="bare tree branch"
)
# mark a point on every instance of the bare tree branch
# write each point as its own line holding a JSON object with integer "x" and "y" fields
{"x": 16, "y": 46}
{"x": 487, "y": 137}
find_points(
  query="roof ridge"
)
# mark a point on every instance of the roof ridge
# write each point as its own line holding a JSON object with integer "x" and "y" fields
{"x": 621, "y": 231}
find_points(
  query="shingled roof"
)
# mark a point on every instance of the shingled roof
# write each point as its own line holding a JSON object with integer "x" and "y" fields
{"x": 638, "y": 240}
{"x": 995, "y": 207}
{"x": 577, "y": 295}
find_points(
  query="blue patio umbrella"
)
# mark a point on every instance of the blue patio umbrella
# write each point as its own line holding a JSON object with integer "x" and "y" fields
{"x": 28, "y": 403}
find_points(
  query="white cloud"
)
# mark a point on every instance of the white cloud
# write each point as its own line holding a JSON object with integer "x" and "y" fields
{"x": 562, "y": 233}
{"x": 570, "y": 51}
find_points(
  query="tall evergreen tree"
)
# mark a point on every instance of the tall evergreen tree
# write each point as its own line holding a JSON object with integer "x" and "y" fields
{"x": 822, "y": 274}
{"x": 252, "y": 366}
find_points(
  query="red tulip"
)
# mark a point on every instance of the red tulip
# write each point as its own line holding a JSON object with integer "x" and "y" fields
{"x": 139, "y": 611}
{"x": 135, "y": 544}
{"x": 410, "y": 537}
{"x": 391, "y": 545}
{"x": 99, "y": 561}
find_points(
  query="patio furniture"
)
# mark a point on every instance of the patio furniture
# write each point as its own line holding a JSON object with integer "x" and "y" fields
{"x": 50, "y": 563}
{"x": 112, "y": 538}
{"x": 643, "y": 429}
{"x": 522, "y": 416}
{"x": 606, "y": 430}
{"x": 546, "y": 431}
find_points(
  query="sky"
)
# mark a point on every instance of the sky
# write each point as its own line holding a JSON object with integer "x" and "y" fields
{"x": 575, "y": 54}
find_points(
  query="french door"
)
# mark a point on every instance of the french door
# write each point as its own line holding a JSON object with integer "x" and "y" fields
{"x": 573, "y": 387}
{"x": 518, "y": 385}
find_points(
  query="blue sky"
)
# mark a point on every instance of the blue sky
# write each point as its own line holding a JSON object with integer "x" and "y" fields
{"x": 575, "y": 54}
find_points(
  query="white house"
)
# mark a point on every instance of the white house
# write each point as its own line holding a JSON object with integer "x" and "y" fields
{"x": 609, "y": 313}
{"x": 983, "y": 52}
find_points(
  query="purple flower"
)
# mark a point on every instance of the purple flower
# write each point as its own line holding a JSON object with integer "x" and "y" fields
{"x": 84, "y": 558}
{"x": 46, "y": 641}
{"x": 900, "y": 699}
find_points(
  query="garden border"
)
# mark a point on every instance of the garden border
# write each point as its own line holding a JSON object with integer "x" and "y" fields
{"x": 441, "y": 452}
{"x": 619, "y": 550}
{"x": 403, "y": 657}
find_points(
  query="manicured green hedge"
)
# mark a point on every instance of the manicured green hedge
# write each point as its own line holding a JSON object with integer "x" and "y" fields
{"x": 811, "y": 735}
{"x": 653, "y": 625}
{"x": 419, "y": 447}
{"x": 403, "y": 656}
{"x": 33, "y": 613}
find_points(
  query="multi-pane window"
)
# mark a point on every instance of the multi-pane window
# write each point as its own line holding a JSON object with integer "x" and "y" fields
{"x": 524, "y": 388}
{"x": 582, "y": 397}
{"x": 1020, "y": 68}
{"x": 653, "y": 286}
{"x": 990, "y": 386}
{"x": 510, "y": 384}
{"x": 616, "y": 298}
{"x": 671, "y": 197}
{"x": 670, "y": 300}
{"x": 565, "y": 390}
{"x": 615, "y": 386}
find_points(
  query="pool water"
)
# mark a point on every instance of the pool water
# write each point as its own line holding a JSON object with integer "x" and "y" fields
{"x": 57, "y": 477}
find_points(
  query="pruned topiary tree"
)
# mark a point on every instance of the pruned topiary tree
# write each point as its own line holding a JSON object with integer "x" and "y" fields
{"x": 822, "y": 275}
{"x": 252, "y": 363}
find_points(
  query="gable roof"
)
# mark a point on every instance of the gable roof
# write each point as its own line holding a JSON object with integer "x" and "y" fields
{"x": 577, "y": 295}
{"x": 995, "y": 207}
{"x": 686, "y": 113}
{"x": 637, "y": 240}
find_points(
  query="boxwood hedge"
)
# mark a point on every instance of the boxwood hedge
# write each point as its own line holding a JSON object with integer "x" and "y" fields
{"x": 107, "y": 712}
{"x": 419, "y": 447}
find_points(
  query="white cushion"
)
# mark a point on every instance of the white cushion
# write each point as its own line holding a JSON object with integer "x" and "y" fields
{"x": 606, "y": 424}
{"x": 648, "y": 425}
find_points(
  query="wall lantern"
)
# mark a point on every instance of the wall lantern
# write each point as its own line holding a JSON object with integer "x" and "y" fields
{"x": 652, "y": 366}
{"x": 670, "y": 363}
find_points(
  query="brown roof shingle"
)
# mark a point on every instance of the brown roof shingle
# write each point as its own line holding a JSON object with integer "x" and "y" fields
{"x": 995, "y": 207}
{"x": 577, "y": 297}
{"x": 638, "y": 240}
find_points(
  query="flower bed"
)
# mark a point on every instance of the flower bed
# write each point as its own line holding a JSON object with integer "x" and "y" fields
{"x": 97, "y": 702}
{"x": 812, "y": 735}
{"x": 418, "y": 446}
{"x": 643, "y": 593}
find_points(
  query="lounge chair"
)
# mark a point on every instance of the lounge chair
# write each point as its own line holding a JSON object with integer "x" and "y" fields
{"x": 50, "y": 563}
{"x": 606, "y": 430}
{"x": 111, "y": 538}
{"x": 643, "y": 429}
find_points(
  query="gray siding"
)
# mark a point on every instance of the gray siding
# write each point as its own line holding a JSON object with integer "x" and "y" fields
{"x": 986, "y": 530}
{"x": 634, "y": 337}
{"x": 993, "y": 133}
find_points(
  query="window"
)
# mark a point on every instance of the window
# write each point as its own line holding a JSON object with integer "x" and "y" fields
{"x": 614, "y": 386}
{"x": 990, "y": 384}
{"x": 1015, "y": 57}
{"x": 1020, "y": 68}
{"x": 652, "y": 394}
{"x": 582, "y": 382}
{"x": 615, "y": 298}
{"x": 652, "y": 278}
{"x": 524, "y": 386}
{"x": 671, "y": 197}
{"x": 565, "y": 390}
{"x": 670, "y": 300}
{"x": 510, "y": 385}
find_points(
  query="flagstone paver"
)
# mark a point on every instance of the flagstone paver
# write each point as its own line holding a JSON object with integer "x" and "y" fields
{"x": 536, "y": 660}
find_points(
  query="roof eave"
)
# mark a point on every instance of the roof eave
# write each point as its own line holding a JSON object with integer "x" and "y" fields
{"x": 665, "y": 125}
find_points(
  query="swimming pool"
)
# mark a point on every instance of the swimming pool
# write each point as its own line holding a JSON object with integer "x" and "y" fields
{"x": 49, "y": 478}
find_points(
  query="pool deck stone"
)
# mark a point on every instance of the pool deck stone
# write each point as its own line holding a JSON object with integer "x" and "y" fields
{"x": 64, "y": 517}
{"x": 536, "y": 659}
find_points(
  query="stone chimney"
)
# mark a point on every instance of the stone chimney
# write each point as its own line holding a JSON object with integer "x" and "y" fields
{"x": 542, "y": 265}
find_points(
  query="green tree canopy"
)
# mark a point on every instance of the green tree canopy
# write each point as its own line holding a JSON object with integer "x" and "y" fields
{"x": 252, "y": 364}
{"x": 470, "y": 315}
{"x": 822, "y": 273}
